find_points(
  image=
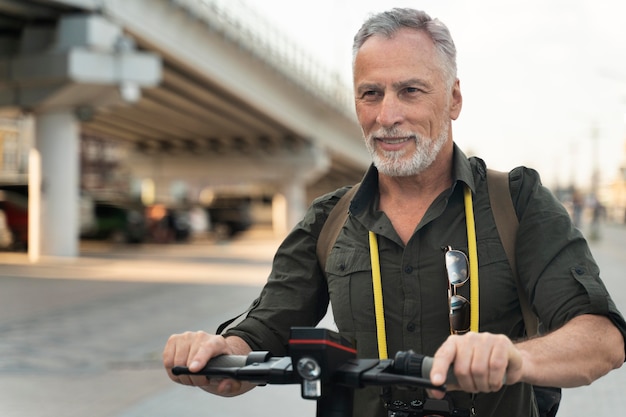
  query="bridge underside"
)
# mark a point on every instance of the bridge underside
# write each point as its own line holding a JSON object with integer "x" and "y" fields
{"x": 189, "y": 93}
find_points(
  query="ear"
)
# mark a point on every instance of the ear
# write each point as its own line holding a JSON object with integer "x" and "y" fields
{"x": 457, "y": 100}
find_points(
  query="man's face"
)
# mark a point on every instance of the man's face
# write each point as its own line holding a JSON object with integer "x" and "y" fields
{"x": 402, "y": 101}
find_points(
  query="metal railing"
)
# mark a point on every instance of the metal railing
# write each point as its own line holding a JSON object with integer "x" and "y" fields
{"x": 250, "y": 30}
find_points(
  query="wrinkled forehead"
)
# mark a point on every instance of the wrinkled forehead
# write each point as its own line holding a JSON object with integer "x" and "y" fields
{"x": 404, "y": 45}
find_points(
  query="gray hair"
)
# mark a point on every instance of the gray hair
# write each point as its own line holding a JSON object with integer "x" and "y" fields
{"x": 389, "y": 22}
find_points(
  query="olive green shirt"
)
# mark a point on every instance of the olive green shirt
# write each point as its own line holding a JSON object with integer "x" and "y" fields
{"x": 555, "y": 266}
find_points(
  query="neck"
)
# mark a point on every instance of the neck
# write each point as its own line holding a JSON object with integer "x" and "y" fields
{"x": 431, "y": 181}
{"x": 405, "y": 200}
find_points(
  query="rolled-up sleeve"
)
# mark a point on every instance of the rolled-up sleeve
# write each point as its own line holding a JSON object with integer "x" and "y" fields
{"x": 554, "y": 261}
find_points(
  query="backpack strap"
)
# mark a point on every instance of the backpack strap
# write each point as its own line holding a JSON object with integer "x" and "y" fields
{"x": 507, "y": 224}
{"x": 332, "y": 226}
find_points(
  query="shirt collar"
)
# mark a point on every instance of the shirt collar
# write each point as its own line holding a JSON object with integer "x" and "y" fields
{"x": 368, "y": 189}
{"x": 462, "y": 169}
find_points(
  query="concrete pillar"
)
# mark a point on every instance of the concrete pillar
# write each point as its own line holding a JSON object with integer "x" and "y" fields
{"x": 84, "y": 62}
{"x": 57, "y": 141}
{"x": 34, "y": 204}
{"x": 290, "y": 204}
{"x": 288, "y": 207}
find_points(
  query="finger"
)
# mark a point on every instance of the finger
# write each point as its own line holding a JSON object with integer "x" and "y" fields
{"x": 514, "y": 367}
{"x": 228, "y": 387}
{"x": 184, "y": 380}
{"x": 436, "y": 394}
{"x": 182, "y": 347}
{"x": 444, "y": 357}
{"x": 479, "y": 366}
{"x": 199, "y": 380}
{"x": 223, "y": 387}
{"x": 463, "y": 368}
{"x": 199, "y": 357}
{"x": 202, "y": 352}
{"x": 497, "y": 366}
{"x": 174, "y": 353}
{"x": 209, "y": 384}
{"x": 168, "y": 354}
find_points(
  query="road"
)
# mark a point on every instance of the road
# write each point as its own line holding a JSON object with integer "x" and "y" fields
{"x": 84, "y": 337}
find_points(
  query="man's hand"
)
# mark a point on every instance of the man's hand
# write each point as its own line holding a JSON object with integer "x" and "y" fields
{"x": 193, "y": 350}
{"x": 560, "y": 358}
{"x": 483, "y": 362}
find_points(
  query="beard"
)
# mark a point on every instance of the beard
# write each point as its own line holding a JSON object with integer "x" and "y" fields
{"x": 395, "y": 163}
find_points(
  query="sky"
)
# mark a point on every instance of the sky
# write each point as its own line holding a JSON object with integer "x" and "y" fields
{"x": 540, "y": 79}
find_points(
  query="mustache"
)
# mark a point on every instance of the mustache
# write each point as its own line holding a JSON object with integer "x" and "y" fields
{"x": 393, "y": 132}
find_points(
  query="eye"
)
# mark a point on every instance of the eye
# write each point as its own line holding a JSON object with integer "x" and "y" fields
{"x": 371, "y": 95}
{"x": 413, "y": 90}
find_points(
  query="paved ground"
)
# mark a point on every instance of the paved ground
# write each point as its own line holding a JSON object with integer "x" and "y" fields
{"x": 83, "y": 337}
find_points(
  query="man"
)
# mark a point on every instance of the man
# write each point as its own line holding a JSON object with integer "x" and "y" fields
{"x": 406, "y": 95}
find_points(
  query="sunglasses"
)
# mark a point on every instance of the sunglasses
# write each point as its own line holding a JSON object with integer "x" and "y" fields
{"x": 457, "y": 267}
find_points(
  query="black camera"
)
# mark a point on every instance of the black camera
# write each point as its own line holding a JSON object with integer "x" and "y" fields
{"x": 428, "y": 408}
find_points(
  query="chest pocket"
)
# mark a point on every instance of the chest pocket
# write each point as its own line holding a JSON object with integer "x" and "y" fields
{"x": 350, "y": 288}
{"x": 497, "y": 283}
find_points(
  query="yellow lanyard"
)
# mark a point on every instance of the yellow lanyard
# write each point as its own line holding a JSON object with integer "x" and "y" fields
{"x": 473, "y": 258}
{"x": 379, "y": 311}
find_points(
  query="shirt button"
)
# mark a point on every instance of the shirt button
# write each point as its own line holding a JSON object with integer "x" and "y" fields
{"x": 410, "y": 327}
{"x": 408, "y": 269}
{"x": 579, "y": 270}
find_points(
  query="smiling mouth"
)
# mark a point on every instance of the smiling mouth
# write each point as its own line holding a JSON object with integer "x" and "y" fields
{"x": 394, "y": 141}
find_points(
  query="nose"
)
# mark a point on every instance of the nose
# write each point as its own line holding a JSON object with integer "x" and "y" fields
{"x": 390, "y": 111}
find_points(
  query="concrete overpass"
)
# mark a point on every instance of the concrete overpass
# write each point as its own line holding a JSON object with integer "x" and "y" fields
{"x": 195, "y": 90}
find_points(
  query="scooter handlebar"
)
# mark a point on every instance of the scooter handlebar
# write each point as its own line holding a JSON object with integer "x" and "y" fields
{"x": 261, "y": 367}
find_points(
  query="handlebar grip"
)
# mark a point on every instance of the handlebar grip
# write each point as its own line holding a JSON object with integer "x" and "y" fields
{"x": 228, "y": 361}
{"x": 222, "y": 361}
{"x": 427, "y": 366}
{"x": 415, "y": 364}
{"x": 411, "y": 363}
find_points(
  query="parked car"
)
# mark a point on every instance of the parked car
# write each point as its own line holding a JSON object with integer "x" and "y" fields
{"x": 117, "y": 222}
{"x": 181, "y": 224}
{"x": 167, "y": 224}
{"x": 6, "y": 237}
{"x": 229, "y": 216}
{"x": 15, "y": 209}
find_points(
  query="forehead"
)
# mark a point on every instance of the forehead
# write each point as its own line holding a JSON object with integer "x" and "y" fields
{"x": 407, "y": 50}
{"x": 407, "y": 37}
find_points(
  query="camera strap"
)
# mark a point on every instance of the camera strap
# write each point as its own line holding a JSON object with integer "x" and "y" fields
{"x": 470, "y": 224}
